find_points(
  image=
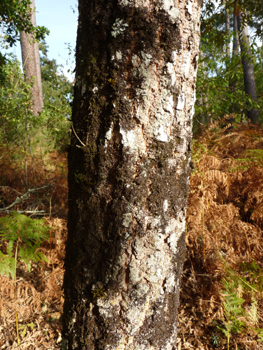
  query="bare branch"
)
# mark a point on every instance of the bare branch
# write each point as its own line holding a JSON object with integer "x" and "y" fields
{"x": 24, "y": 197}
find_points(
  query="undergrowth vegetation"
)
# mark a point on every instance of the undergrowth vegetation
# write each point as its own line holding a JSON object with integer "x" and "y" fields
{"x": 33, "y": 208}
{"x": 222, "y": 284}
{"x": 221, "y": 297}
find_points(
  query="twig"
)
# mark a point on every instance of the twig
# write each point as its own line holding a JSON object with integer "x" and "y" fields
{"x": 35, "y": 212}
{"x": 77, "y": 136}
{"x": 25, "y": 197}
{"x": 11, "y": 189}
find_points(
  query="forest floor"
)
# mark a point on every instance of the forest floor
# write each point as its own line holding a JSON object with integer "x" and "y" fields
{"x": 222, "y": 284}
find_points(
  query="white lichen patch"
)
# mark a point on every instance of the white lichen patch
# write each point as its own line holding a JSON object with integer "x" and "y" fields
{"x": 135, "y": 273}
{"x": 165, "y": 205}
{"x": 108, "y": 135}
{"x": 170, "y": 284}
{"x": 136, "y": 315}
{"x": 186, "y": 67}
{"x": 181, "y": 102}
{"x": 142, "y": 289}
{"x": 127, "y": 219}
{"x": 168, "y": 105}
{"x": 174, "y": 56}
{"x": 172, "y": 162}
{"x": 119, "y": 55}
{"x": 161, "y": 134}
{"x": 134, "y": 141}
{"x": 175, "y": 228}
{"x": 104, "y": 305}
{"x": 154, "y": 265}
{"x": 118, "y": 27}
{"x": 147, "y": 58}
{"x": 171, "y": 9}
{"x": 135, "y": 60}
{"x": 158, "y": 242}
{"x": 139, "y": 248}
{"x": 189, "y": 8}
{"x": 171, "y": 72}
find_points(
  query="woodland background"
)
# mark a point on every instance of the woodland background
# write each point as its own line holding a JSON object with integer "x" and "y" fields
{"x": 222, "y": 285}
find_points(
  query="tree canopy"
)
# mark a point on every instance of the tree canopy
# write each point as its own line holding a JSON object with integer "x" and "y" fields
{"x": 15, "y": 17}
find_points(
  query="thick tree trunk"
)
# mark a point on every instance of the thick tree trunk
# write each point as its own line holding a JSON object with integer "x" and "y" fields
{"x": 31, "y": 64}
{"x": 248, "y": 69}
{"x": 129, "y": 164}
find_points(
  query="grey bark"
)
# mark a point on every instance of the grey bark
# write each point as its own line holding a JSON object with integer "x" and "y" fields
{"x": 248, "y": 69}
{"x": 236, "y": 36}
{"x": 129, "y": 166}
{"x": 31, "y": 64}
{"x": 227, "y": 22}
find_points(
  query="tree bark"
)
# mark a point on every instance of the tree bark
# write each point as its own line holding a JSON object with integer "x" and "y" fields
{"x": 248, "y": 69}
{"x": 129, "y": 166}
{"x": 31, "y": 64}
{"x": 227, "y": 23}
{"x": 235, "y": 37}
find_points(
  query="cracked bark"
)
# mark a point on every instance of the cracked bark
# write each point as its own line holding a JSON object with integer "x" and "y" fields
{"x": 128, "y": 186}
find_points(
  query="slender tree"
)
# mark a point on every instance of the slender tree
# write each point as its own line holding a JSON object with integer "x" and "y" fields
{"x": 31, "y": 63}
{"x": 129, "y": 164}
{"x": 248, "y": 68}
{"x": 235, "y": 32}
{"x": 227, "y": 22}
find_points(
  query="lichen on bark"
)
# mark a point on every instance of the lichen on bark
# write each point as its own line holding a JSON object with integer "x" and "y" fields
{"x": 128, "y": 177}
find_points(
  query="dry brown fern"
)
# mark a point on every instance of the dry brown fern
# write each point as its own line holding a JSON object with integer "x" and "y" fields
{"x": 224, "y": 218}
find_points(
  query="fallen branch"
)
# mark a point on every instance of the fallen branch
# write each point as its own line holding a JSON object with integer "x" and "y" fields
{"x": 24, "y": 197}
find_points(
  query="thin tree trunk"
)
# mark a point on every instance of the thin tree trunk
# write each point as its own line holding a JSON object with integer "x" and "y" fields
{"x": 37, "y": 56}
{"x": 227, "y": 22}
{"x": 236, "y": 36}
{"x": 248, "y": 69}
{"x": 129, "y": 164}
{"x": 31, "y": 64}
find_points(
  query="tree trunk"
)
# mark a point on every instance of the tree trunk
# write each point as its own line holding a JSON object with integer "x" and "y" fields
{"x": 227, "y": 23}
{"x": 37, "y": 57}
{"x": 31, "y": 64}
{"x": 129, "y": 165}
{"x": 235, "y": 37}
{"x": 248, "y": 69}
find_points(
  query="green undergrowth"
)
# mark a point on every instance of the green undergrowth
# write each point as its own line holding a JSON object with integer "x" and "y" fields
{"x": 239, "y": 295}
{"x": 21, "y": 239}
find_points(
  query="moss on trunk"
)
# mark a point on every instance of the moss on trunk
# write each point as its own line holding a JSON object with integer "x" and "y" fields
{"x": 128, "y": 177}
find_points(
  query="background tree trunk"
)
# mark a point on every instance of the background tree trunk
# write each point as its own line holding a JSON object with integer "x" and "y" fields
{"x": 129, "y": 165}
{"x": 236, "y": 36}
{"x": 227, "y": 22}
{"x": 248, "y": 69}
{"x": 31, "y": 63}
